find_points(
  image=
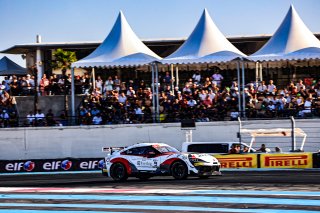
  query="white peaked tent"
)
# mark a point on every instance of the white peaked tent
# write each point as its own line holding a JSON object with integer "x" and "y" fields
{"x": 206, "y": 44}
{"x": 292, "y": 41}
{"x": 121, "y": 48}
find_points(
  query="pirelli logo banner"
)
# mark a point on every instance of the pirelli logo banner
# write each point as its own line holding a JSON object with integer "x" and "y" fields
{"x": 296, "y": 160}
{"x": 238, "y": 161}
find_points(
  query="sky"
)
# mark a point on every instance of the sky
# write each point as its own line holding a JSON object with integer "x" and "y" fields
{"x": 92, "y": 20}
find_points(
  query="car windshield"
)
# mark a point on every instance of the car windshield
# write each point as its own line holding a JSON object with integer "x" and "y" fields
{"x": 164, "y": 149}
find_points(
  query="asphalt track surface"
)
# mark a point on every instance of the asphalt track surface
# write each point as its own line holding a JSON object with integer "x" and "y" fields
{"x": 288, "y": 191}
{"x": 234, "y": 178}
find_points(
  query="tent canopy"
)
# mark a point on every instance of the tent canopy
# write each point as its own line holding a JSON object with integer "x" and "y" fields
{"x": 8, "y": 67}
{"x": 292, "y": 41}
{"x": 282, "y": 132}
{"x": 206, "y": 44}
{"x": 278, "y": 132}
{"x": 121, "y": 48}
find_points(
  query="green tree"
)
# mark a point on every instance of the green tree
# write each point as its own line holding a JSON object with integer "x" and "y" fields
{"x": 63, "y": 60}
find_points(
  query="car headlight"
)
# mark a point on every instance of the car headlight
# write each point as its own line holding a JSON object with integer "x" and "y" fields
{"x": 194, "y": 159}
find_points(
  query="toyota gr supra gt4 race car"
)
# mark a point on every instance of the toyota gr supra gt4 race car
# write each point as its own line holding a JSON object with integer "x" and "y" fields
{"x": 145, "y": 160}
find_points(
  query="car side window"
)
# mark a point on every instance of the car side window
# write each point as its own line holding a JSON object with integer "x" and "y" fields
{"x": 144, "y": 150}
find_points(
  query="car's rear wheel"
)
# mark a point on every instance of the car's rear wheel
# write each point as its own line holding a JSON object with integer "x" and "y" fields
{"x": 118, "y": 172}
{"x": 179, "y": 170}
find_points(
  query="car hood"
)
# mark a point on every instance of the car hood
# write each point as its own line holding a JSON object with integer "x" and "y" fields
{"x": 201, "y": 157}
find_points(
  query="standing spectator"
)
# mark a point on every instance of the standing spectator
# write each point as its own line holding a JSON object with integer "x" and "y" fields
{"x": 300, "y": 85}
{"x": 14, "y": 86}
{"x": 262, "y": 88}
{"x": 217, "y": 77}
{"x": 117, "y": 83}
{"x": 86, "y": 83}
{"x": 108, "y": 85}
{"x": 24, "y": 84}
{"x": 167, "y": 79}
{"x": 30, "y": 80}
{"x": 99, "y": 83}
{"x": 44, "y": 84}
{"x": 272, "y": 89}
{"x": 55, "y": 89}
{"x": 234, "y": 86}
{"x": 196, "y": 77}
{"x": 78, "y": 85}
{"x": 123, "y": 87}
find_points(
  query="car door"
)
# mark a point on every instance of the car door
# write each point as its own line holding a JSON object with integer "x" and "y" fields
{"x": 144, "y": 158}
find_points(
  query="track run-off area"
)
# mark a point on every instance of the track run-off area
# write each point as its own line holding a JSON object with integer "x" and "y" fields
{"x": 235, "y": 191}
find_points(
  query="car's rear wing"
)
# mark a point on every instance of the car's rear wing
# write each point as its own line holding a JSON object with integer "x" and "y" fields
{"x": 111, "y": 150}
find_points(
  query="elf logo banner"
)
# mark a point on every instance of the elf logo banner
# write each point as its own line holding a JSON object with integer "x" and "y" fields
{"x": 20, "y": 166}
{"x": 57, "y": 165}
{"x": 93, "y": 164}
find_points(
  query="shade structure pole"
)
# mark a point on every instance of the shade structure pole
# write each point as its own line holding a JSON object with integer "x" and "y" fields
{"x": 257, "y": 72}
{"x": 157, "y": 91}
{"x": 239, "y": 96}
{"x": 172, "y": 82}
{"x": 243, "y": 87}
{"x": 153, "y": 93}
{"x": 73, "y": 110}
{"x": 94, "y": 78}
{"x": 177, "y": 75}
{"x": 260, "y": 65}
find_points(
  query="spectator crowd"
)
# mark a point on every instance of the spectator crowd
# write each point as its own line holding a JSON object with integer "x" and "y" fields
{"x": 204, "y": 99}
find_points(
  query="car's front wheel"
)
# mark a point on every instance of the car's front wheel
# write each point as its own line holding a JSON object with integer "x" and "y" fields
{"x": 118, "y": 172}
{"x": 179, "y": 170}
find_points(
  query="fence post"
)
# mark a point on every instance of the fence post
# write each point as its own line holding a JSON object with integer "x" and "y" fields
{"x": 293, "y": 134}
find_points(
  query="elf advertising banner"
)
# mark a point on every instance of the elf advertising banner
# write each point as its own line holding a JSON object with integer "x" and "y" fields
{"x": 50, "y": 165}
{"x": 235, "y": 161}
{"x": 291, "y": 160}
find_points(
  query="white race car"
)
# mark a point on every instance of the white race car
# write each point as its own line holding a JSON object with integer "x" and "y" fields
{"x": 145, "y": 160}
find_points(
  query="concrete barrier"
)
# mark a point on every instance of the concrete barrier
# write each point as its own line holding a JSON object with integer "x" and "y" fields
{"x": 86, "y": 141}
